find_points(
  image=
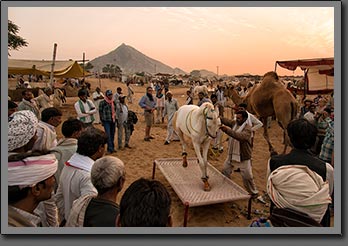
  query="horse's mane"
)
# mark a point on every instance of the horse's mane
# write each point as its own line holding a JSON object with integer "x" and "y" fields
{"x": 206, "y": 105}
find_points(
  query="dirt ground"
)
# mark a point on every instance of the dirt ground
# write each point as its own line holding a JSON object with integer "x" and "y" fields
{"x": 139, "y": 162}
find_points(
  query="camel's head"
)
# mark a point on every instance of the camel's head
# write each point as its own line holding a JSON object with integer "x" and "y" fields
{"x": 212, "y": 120}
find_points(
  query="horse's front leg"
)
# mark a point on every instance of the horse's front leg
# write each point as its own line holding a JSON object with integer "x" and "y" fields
{"x": 184, "y": 145}
{"x": 205, "y": 146}
{"x": 202, "y": 161}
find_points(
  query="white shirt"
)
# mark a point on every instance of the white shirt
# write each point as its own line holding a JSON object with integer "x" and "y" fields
{"x": 170, "y": 107}
{"x": 95, "y": 95}
{"x": 73, "y": 183}
{"x": 87, "y": 110}
{"x": 121, "y": 116}
{"x": 254, "y": 122}
{"x": 310, "y": 117}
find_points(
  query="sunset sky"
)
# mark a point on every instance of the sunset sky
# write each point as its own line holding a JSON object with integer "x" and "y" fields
{"x": 236, "y": 39}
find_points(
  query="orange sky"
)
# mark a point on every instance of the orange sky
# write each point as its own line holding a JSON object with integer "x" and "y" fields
{"x": 236, "y": 39}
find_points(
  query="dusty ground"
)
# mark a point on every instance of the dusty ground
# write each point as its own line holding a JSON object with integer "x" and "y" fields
{"x": 139, "y": 163}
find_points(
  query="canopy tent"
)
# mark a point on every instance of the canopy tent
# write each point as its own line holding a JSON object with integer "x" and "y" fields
{"x": 318, "y": 73}
{"x": 66, "y": 69}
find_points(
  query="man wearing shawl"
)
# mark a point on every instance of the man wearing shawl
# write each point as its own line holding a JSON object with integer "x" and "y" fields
{"x": 46, "y": 131}
{"x": 107, "y": 176}
{"x": 302, "y": 135}
{"x": 108, "y": 117}
{"x": 85, "y": 108}
{"x": 67, "y": 146}
{"x": 239, "y": 150}
{"x": 75, "y": 179}
{"x": 46, "y": 99}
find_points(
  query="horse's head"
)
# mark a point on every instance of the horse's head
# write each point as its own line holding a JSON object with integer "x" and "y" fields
{"x": 212, "y": 120}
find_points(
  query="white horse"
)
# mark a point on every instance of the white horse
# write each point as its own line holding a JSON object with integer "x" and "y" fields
{"x": 201, "y": 125}
{"x": 200, "y": 88}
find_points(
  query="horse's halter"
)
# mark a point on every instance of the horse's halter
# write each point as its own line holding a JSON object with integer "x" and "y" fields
{"x": 205, "y": 113}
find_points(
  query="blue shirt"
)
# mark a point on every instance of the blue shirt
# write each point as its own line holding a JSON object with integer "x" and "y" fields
{"x": 146, "y": 104}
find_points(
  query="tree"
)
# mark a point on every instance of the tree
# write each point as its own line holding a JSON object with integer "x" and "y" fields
{"x": 118, "y": 71}
{"x": 108, "y": 68}
{"x": 195, "y": 73}
{"x": 14, "y": 41}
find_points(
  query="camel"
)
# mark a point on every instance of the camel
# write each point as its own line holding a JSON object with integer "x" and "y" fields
{"x": 269, "y": 98}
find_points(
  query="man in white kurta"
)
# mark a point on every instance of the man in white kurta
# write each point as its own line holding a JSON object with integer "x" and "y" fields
{"x": 122, "y": 116}
{"x": 97, "y": 96}
{"x": 130, "y": 91}
{"x": 45, "y": 100}
{"x": 170, "y": 107}
{"x": 75, "y": 179}
{"x": 85, "y": 108}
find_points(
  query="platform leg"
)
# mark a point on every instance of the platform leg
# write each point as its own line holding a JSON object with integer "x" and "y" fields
{"x": 153, "y": 170}
{"x": 249, "y": 208}
{"x": 186, "y": 213}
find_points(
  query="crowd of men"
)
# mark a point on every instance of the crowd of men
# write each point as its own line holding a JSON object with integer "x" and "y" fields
{"x": 75, "y": 181}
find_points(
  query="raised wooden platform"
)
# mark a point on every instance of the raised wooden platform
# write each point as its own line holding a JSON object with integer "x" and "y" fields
{"x": 188, "y": 185}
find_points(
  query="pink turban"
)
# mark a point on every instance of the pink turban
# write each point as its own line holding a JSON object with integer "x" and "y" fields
{"x": 31, "y": 170}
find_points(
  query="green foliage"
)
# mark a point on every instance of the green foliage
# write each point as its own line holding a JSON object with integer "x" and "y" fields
{"x": 14, "y": 40}
{"x": 112, "y": 69}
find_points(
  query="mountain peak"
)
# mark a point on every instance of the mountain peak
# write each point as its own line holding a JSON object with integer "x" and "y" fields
{"x": 131, "y": 61}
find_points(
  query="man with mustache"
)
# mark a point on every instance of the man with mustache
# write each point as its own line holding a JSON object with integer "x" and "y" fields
{"x": 239, "y": 150}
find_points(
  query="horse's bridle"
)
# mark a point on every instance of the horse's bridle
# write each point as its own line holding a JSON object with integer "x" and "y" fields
{"x": 206, "y": 117}
{"x": 205, "y": 113}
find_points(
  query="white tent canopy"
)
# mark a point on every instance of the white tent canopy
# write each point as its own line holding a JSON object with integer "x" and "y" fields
{"x": 318, "y": 73}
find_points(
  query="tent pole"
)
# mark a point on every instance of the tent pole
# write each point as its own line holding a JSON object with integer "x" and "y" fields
{"x": 99, "y": 78}
{"x": 83, "y": 60}
{"x": 305, "y": 83}
{"x": 53, "y": 62}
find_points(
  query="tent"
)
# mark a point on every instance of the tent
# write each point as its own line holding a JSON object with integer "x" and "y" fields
{"x": 62, "y": 69}
{"x": 318, "y": 73}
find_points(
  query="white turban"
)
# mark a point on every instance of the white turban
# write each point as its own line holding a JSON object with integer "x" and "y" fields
{"x": 31, "y": 170}
{"x": 21, "y": 128}
{"x": 299, "y": 188}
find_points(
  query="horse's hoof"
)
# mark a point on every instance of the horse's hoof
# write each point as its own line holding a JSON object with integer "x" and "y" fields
{"x": 207, "y": 187}
{"x": 184, "y": 164}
